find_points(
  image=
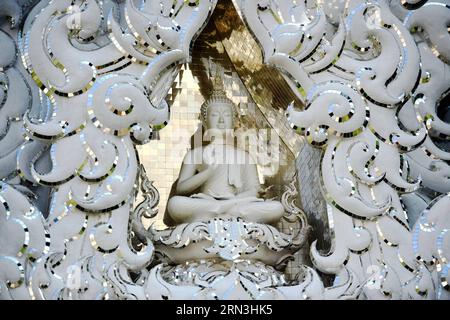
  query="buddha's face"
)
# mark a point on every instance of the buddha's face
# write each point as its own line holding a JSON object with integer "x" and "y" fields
{"x": 220, "y": 116}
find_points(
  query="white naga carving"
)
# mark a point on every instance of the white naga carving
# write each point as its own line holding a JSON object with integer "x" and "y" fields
{"x": 370, "y": 74}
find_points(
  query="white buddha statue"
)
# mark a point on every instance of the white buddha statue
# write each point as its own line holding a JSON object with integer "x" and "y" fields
{"x": 224, "y": 176}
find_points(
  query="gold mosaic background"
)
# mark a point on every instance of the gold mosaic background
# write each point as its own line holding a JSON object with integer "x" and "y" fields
{"x": 260, "y": 92}
{"x": 162, "y": 158}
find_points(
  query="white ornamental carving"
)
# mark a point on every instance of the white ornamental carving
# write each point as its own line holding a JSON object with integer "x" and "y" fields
{"x": 82, "y": 82}
{"x": 105, "y": 82}
{"x": 364, "y": 79}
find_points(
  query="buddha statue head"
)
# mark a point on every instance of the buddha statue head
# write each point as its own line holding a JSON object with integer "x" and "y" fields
{"x": 218, "y": 112}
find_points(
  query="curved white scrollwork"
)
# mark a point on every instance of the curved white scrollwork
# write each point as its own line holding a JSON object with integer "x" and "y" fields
{"x": 433, "y": 44}
{"x": 371, "y": 76}
{"x": 364, "y": 77}
{"x": 104, "y": 69}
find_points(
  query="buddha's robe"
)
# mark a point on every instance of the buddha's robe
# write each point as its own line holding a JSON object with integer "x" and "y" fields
{"x": 231, "y": 191}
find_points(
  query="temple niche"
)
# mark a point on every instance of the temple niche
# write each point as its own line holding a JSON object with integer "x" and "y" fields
{"x": 226, "y": 57}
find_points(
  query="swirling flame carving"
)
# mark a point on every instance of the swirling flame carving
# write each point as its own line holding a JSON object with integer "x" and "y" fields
{"x": 364, "y": 76}
{"x": 105, "y": 78}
